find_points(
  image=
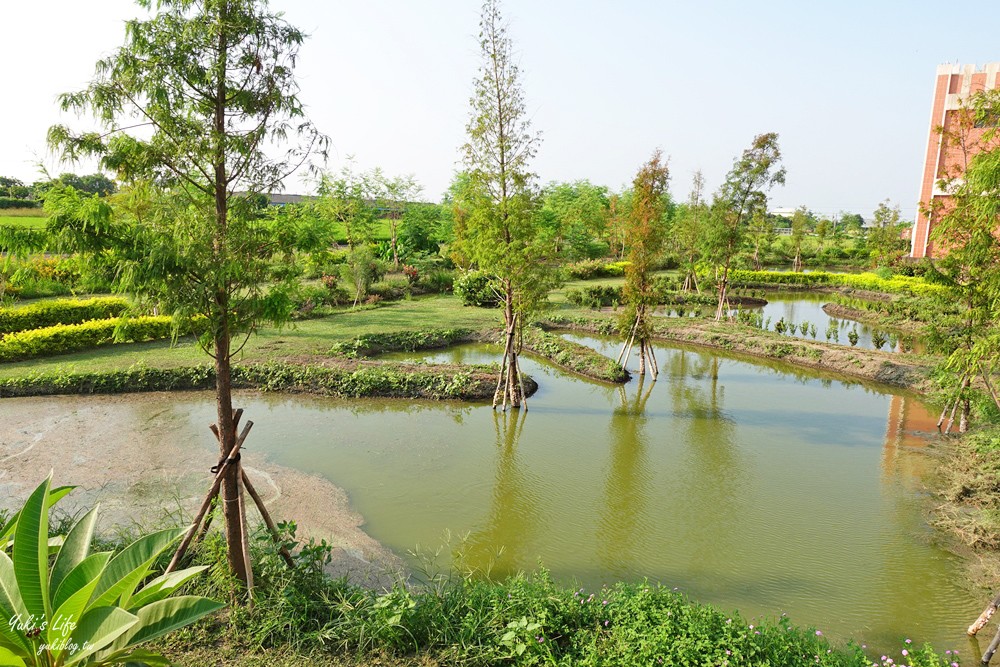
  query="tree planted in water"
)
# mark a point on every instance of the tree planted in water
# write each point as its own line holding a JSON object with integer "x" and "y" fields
{"x": 645, "y": 234}
{"x": 497, "y": 228}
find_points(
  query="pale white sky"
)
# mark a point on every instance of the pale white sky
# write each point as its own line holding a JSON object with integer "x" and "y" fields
{"x": 847, "y": 84}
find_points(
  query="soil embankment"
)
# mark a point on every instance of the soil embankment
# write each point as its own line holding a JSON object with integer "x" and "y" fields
{"x": 909, "y": 372}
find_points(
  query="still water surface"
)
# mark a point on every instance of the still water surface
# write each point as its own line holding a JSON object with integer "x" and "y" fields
{"x": 758, "y": 488}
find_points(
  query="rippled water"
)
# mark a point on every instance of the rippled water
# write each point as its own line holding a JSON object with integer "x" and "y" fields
{"x": 755, "y": 487}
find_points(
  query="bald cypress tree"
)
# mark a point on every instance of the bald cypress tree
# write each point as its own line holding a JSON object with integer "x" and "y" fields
{"x": 500, "y": 231}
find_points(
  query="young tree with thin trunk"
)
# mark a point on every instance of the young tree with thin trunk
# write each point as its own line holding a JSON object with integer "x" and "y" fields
{"x": 647, "y": 231}
{"x": 499, "y": 230}
{"x": 744, "y": 193}
{"x": 688, "y": 231}
{"x": 209, "y": 85}
{"x": 762, "y": 236}
{"x": 800, "y": 220}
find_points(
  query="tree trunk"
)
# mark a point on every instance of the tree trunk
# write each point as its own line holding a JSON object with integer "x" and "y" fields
{"x": 227, "y": 439}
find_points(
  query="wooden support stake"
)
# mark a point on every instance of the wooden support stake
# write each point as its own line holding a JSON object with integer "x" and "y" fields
{"x": 208, "y": 500}
{"x": 267, "y": 519}
{"x": 520, "y": 380}
{"x": 503, "y": 368}
{"x": 984, "y": 617}
{"x": 991, "y": 649}
{"x": 625, "y": 345}
{"x": 989, "y": 385}
{"x": 244, "y": 535}
{"x": 208, "y": 519}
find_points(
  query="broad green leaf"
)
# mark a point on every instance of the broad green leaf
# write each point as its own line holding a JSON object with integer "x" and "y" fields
{"x": 89, "y": 570}
{"x": 75, "y": 548}
{"x": 129, "y": 567}
{"x": 11, "y": 611}
{"x": 67, "y": 615}
{"x": 9, "y": 659}
{"x": 31, "y": 552}
{"x": 163, "y": 586}
{"x": 55, "y": 495}
{"x": 165, "y": 616}
{"x": 98, "y": 628}
{"x": 10, "y": 596}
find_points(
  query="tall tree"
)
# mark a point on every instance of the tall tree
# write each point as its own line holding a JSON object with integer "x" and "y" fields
{"x": 349, "y": 199}
{"x": 688, "y": 232}
{"x": 498, "y": 229}
{"x": 211, "y": 84}
{"x": 575, "y": 215}
{"x": 743, "y": 193}
{"x": 883, "y": 238}
{"x": 800, "y": 221}
{"x": 762, "y": 235}
{"x": 647, "y": 232}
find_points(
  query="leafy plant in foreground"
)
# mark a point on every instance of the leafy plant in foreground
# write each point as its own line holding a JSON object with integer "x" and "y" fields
{"x": 85, "y": 609}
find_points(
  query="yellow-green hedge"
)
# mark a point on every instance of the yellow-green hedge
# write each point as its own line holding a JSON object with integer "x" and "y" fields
{"x": 864, "y": 281}
{"x": 59, "y": 311}
{"x": 64, "y": 338}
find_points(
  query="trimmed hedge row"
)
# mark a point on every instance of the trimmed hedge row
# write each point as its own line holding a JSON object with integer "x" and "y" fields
{"x": 59, "y": 311}
{"x": 595, "y": 268}
{"x": 381, "y": 380}
{"x": 64, "y": 338}
{"x": 368, "y": 345}
{"x": 11, "y": 202}
{"x": 862, "y": 281}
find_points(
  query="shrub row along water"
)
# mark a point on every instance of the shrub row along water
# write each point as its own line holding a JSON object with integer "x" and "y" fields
{"x": 862, "y": 281}
{"x": 521, "y": 620}
{"x": 381, "y": 380}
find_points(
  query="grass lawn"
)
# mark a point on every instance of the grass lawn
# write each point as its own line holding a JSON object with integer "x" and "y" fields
{"x": 306, "y": 337}
{"x": 29, "y": 222}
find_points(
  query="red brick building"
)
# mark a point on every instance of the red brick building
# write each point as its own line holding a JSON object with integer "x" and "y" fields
{"x": 955, "y": 84}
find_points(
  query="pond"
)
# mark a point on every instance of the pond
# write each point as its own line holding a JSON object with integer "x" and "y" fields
{"x": 752, "y": 486}
{"x": 799, "y": 307}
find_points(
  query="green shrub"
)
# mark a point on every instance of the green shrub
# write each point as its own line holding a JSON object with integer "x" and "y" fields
{"x": 391, "y": 289}
{"x": 597, "y": 296}
{"x": 11, "y": 202}
{"x": 438, "y": 281}
{"x": 595, "y": 268}
{"x": 477, "y": 288}
{"x": 384, "y": 380}
{"x": 64, "y": 338}
{"x": 400, "y": 341}
{"x": 59, "y": 311}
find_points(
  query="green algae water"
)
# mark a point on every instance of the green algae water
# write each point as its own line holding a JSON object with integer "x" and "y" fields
{"x": 755, "y": 487}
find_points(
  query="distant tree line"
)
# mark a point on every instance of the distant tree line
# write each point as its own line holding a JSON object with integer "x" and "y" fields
{"x": 14, "y": 193}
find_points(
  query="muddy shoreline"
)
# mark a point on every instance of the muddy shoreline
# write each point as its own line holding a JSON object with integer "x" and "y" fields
{"x": 126, "y": 453}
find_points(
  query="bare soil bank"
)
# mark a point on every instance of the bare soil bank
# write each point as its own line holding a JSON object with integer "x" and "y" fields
{"x": 911, "y": 372}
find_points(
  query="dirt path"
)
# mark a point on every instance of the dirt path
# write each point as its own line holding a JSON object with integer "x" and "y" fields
{"x": 128, "y": 453}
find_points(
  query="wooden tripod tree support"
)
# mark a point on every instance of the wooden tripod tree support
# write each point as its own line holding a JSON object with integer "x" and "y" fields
{"x": 644, "y": 349}
{"x": 509, "y": 368}
{"x": 203, "y": 512}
